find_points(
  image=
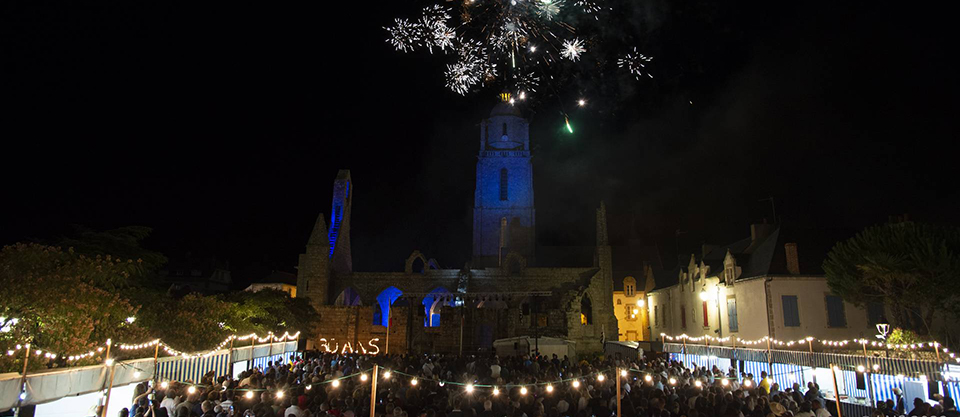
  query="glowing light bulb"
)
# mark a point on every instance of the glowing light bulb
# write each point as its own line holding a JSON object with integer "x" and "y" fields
{"x": 164, "y": 384}
{"x": 581, "y": 102}
{"x": 876, "y": 367}
{"x": 648, "y": 378}
{"x": 249, "y": 395}
{"x": 523, "y": 390}
{"x": 549, "y": 388}
{"x": 576, "y": 383}
{"x": 309, "y": 387}
{"x": 191, "y": 390}
{"x": 363, "y": 377}
{"x": 724, "y": 382}
{"x": 496, "y": 391}
{"x": 386, "y": 375}
{"x": 413, "y": 381}
{"x": 469, "y": 388}
{"x": 636, "y": 311}
{"x": 109, "y": 362}
{"x": 860, "y": 368}
{"x": 673, "y": 381}
{"x": 698, "y": 384}
{"x": 623, "y": 372}
{"x": 601, "y": 377}
{"x": 747, "y": 383}
{"x": 335, "y": 383}
{"x": 279, "y": 394}
{"x": 533, "y": 48}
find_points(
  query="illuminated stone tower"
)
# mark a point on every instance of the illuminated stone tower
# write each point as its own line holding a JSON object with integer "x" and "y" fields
{"x": 503, "y": 211}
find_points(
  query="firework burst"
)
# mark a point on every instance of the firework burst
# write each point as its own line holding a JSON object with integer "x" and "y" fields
{"x": 572, "y": 49}
{"x": 513, "y": 44}
{"x": 635, "y": 63}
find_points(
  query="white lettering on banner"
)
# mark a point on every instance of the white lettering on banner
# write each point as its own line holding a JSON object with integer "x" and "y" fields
{"x": 347, "y": 348}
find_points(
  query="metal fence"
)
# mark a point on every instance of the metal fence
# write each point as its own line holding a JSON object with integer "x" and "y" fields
{"x": 789, "y": 367}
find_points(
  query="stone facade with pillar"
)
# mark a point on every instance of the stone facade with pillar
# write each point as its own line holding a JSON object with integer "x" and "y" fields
{"x": 501, "y": 293}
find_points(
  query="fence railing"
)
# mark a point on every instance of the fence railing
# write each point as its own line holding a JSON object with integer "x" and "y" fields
{"x": 859, "y": 377}
{"x": 50, "y": 385}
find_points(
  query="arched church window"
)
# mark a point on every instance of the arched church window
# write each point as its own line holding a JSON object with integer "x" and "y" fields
{"x": 504, "y": 131}
{"x": 586, "y": 311}
{"x": 503, "y": 184}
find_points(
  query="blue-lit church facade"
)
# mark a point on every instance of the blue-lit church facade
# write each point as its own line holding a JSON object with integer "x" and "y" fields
{"x": 501, "y": 292}
{"x": 504, "y": 216}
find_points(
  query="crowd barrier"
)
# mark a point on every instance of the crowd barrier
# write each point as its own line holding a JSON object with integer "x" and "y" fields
{"x": 50, "y": 385}
{"x": 789, "y": 367}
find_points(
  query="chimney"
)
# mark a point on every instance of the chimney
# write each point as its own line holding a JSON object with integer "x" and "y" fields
{"x": 793, "y": 261}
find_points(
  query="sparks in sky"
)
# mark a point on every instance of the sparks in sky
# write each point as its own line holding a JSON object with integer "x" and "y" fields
{"x": 635, "y": 63}
{"x": 524, "y": 38}
{"x": 572, "y": 49}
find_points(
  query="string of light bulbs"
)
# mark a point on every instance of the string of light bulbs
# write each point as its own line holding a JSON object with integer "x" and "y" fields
{"x": 286, "y": 336}
{"x": 809, "y": 339}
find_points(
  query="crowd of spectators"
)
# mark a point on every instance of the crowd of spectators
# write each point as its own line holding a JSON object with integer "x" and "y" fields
{"x": 339, "y": 385}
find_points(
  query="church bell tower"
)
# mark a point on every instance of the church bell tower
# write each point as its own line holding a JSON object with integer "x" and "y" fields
{"x": 503, "y": 211}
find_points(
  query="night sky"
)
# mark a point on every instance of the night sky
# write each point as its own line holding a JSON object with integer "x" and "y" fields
{"x": 222, "y": 126}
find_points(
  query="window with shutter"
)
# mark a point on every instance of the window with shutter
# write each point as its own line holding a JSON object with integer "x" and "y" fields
{"x": 732, "y": 314}
{"x": 791, "y": 312}
{"x": 706, "y": 318}
{"x": 836, "y": 317}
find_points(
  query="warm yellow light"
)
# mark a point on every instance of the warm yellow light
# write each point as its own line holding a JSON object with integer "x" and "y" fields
{"x": 309, "y": 386}
{"x": 386, "y": 375}
{"x": 876, "y": 367}
{"x": 109, "y": 362}
{"x": 469, "y": 388}
{"x": 576, "y": 383}
{"x": 623, "y": 372}
{"x": 413, "y": 381}
{"x": 600, "y": 377}
{"x": 192, "y": 389}
{"x": 549, "y": 388}
{"x": 747, "y": 383}
{"x": 496, "y": 391}
{"x": 640, "y": 303}
{"x": 860, "y": 368}
{"x": 363, "y": 377}
{"x": 724, "y": 382}
{"x": 164, "y": 384}
{"x": 704, "y": 295}
{"x": 636, "y": 311}
{"x": 523, "y": 390}
{"x": 698, "y": 384}
{"x": 673, "y": 381}
{"x": 279, "y": 394}
{"x": 335, "y": 383}
{"x": 648, "y": 378}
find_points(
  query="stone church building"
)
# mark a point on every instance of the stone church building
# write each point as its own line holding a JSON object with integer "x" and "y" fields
{"x": 503, "y": 292}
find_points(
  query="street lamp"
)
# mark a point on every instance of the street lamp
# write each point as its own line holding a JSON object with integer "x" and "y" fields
{"x": 883, "y": 330}
{"x": 706, "y": 296}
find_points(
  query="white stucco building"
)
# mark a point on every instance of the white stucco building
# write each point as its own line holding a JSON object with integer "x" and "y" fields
{"x": 770, "y": 284}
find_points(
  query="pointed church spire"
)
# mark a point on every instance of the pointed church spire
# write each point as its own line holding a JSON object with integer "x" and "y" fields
{"x": 602, "y": 239}
{"x": 319, "y": 235}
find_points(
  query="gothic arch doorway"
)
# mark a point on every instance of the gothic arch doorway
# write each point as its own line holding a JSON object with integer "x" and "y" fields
{"x": 348, "y": 297}
{"x": 437, "y": 298}
{"x": 385, "y": 300}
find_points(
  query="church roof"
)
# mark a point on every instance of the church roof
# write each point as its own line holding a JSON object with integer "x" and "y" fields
{"x": 505, "y": 109}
